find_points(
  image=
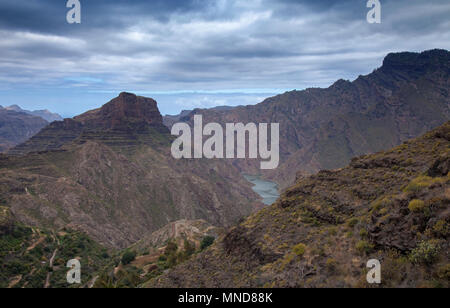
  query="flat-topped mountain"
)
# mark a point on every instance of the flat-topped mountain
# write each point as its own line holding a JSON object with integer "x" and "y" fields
{"x": 125, "y": 112}
{"x": 124, "y": 121}
{"x": 324, "y": 128}
{"x": 109, "y": 173}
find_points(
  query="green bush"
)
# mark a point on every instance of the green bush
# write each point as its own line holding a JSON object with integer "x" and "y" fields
{"x": 426, "y": 252}
{"x": 443, "y": 272}
{"x": 364, "y": 247}
{"x": 421, "y": 183}
{"x": 381, "y": 203}
{"x": 162, "y": 258}
{"x": 363, "y": 233}
{"x": 171, "y": 248}
{"x": 299, "y": 249}
{"x": 441, "y": 228}
{"x": 416, "y": 206}
{"x": 206, "y": 242}
{"x": 128, "y": 257}
{"x": 189, "y": 248}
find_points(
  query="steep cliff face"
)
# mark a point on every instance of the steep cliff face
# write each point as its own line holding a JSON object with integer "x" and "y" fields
{"x": 16, "y": 127}
{"x": 109, "y": 173}
{"x": 126, "y": 112}
{"x": 124, "y": 121}
{"x": 392, "y": 206}
{"x": 325, "y": 128}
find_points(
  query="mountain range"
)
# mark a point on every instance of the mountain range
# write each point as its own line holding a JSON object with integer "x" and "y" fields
{"x": 109, "y": 173}
{"x": 104, "y": 188}
{"x": 324, "y": 128}
{"x": 45, "y": 114}
{"x": 18, "y": 125}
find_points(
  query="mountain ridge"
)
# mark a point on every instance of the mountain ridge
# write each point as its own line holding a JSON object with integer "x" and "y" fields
{"x": 390, "y": 206}
{"x": 45, "y": 114}
{"x": 404, "y": 98}
{"x": 17, "y": 127}
{"x": 109, "y": 173}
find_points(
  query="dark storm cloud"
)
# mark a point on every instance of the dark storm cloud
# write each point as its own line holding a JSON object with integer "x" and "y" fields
{"x": 49, "y": 15}
{"x": 187, "y": 45}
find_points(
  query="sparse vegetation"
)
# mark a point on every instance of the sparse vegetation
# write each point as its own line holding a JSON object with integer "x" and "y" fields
{"x": 416, "y": 206}
{"x": 352, "y": 222}
{"x": 206, "y": 242}
{"x": 331, "y": 265}
{"x": 299, "y": 249}
{"x": 421, "y": 183}
{"x": 426, "y": 252}
{"x": 441, "y": 228}
{"x": 25, "y": 255}
{"x": 381, "y": 203}
{"x": 364, "y": 247}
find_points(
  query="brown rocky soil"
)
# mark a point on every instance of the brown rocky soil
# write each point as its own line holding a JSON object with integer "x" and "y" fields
{"x": 392, "y": 206}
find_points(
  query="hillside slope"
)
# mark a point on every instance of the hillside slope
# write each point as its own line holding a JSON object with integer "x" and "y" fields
{"x": 110, "y": 174}
{"x": 17, "y": 127}
{"x": 325, "y": 128}
{"x": 392, "y": 206}
{"x": 37, "y": 258}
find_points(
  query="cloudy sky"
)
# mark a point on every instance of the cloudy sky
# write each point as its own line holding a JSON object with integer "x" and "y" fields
{"x": 199, "y": 53}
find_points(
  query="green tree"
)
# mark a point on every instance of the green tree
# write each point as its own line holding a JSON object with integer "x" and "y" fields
{"x": 171, "y": 248}
{"x": 128, "y": 257}
{"x": 206, "y": 242}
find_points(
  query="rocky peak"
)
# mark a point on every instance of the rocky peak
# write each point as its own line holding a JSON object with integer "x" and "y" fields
{"x": 125, "y": 111}
{"x": 125, "y": 121}
{"x": 412, "y": 62}
{"x": 14, "y": 108}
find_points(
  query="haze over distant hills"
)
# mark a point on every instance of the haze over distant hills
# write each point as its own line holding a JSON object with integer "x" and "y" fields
{"x": 18, "y": 125}
{"x": 45, "y": 114}
{"x": 325, "y": 128}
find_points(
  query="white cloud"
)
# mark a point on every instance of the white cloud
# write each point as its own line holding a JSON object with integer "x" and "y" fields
{"x": 223, "y": 45}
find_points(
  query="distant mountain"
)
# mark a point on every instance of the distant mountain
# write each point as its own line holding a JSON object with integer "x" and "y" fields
{"x": 17, "y": 127}
{"x": 170, "y": 120}
{"x": 45, "y": 114}
{"x": 325, "y": 128}
{"x": 391, "y": 206}
{"x": 109, "y": 173}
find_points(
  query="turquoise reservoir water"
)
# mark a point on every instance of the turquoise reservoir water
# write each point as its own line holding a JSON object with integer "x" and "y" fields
{"x": 266, "y": 189}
